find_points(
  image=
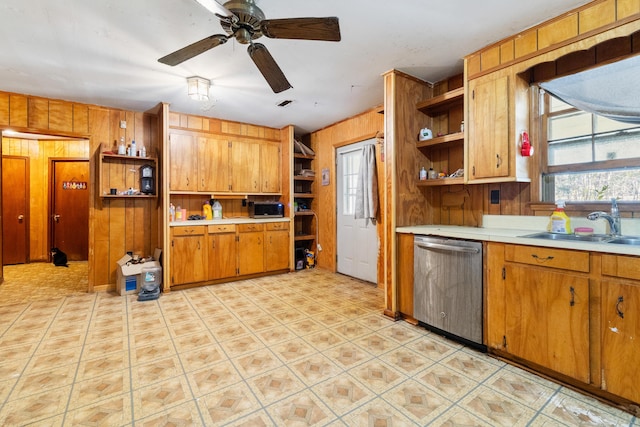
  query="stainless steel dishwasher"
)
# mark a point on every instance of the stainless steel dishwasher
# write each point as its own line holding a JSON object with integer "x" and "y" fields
{"x": 447, "y": 287}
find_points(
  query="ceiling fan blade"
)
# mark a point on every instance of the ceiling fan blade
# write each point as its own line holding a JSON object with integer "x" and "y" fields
{"x": 327, "y": 29}
{"x": 268, "y": 67}
{"x": 193, "y": 49}
{"x": 216, "y": 8}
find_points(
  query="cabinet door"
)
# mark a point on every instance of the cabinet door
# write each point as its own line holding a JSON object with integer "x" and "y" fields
{"x": 188, "y": 259}
{"x": 277, "y": 250}
{"x": 222, "y": 255}
{"x": 250, "y": 252}
{"x": 213, "y": 164}
{"x": 547, "y": 319}
{"x": 620, "y": 343}
{"x": 489, "y": 128}
{"x": 245, "y": 167}
{"x": 270, "y": 167}
{"x": 183, "y": 163}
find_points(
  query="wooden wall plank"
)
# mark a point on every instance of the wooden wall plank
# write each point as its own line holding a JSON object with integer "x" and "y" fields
{"x": 80, "y": 119}
{"x": 507, "y": 51}
{"x": 18, "y": 110}
{"x": 490, "y": 57}
{"x": 4, "y": 109}
{"x": 626, "y": 8}
{"x": 60, "y": 116}
{"x": 526, "y": 43}
{"x": 558, "y": 31}
{"x": 38, "y": 113}
{"x": 597, "y": 16}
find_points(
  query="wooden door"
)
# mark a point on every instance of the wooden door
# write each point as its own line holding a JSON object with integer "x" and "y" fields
{"x": 183, "y": 163}
{"x": 277, "y": 247}
{"x": 547, "y": 319}
{"x": 188, "y": 255}
{"x": 489, "y": 128}
{"x": 70, "y": 208}
{"x": 270, "y": 167}
{"x": 222, "y": 256}
{"x": 15, "y": 210}
{"x": 251, "y": 252}
{"x": 213, "y": 165}
{"x": 245, "y": 167}
{"x": 620, "y": 344}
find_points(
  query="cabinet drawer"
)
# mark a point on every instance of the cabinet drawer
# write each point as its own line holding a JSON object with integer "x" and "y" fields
{"x": 277, "y": 226}
{"x": 243, "y": 228}
{"x": 627, "y": 267}
{"x": 188, "y": 231}
{"x": 548, "y": 257}
{"x": 221, "y": 228}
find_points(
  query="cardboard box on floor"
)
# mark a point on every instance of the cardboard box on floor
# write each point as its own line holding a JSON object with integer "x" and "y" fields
{"x": 129, "y": 278}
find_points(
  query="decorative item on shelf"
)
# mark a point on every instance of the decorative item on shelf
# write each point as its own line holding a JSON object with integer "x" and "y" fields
{"x": 432, "y": 174}
{"x": 425, "y": 134}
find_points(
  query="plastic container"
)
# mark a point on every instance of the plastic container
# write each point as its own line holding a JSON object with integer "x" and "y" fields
{"x": 432, "y": 174}
{"x": 122, "y": 148}
{"x": 423, "y": 174}
{"x": 217, "y": 210}
{"x": 559, "y": 222}
{"x": 179, "y": 214}
{"x": 206, "y": 211}
{"x": 583, "y": 231}
{"x": 151, "y": 278}
{"x": 134, "y": 151}
{"x": 172, "y": 212}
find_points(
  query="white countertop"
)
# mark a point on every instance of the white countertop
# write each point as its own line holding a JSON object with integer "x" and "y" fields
{"x": 240, "y": 220}
{"x": 510, "y": 229}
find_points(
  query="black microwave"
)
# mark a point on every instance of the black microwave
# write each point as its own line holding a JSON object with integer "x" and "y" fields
{"x": 266, "y": 210}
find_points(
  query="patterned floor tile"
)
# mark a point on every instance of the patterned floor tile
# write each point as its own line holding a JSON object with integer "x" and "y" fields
{"x": 378, "y": 413}
{"x": 112, "y": 383}
{"x": 315, "y": 368}
{"x": 446, "y": 381}
{"x": 302, "y": 409}
{"x": 574, "y": 409}
{"x": 348, "y": 355}
{"x": 497, "y": 409}
{"x": 213, "y": 377}
{"x": 377, "y": 375}
{"x": 158, "y": 397}
{"x": 111, "y": 362}
{"x": 35, "y": 407}
{"x": 434, "y": 347}
{"x": 406, "y": 360}
{"x": 201, "y": 357}
{"x": 186, "y": 414}
{"x": 275, "y": 385}
{"x": 155, "y": 371}
{"x": 256, "y": 419}
{"x": 32, "y": 384}
{"x": 417, "y": 402}
{"x": 458, "y": 417}
{"x": 476, "y": 366}
{"x": 230, "y": 404}
{"x": 519, "y": 387}
{"x": 343, "y": 393}
{"x": 293, "y": 350}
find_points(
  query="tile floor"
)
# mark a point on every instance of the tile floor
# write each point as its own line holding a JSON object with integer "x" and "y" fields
{"x": 307, "y": 348}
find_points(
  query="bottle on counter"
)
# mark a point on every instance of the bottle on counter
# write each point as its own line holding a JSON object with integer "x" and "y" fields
{"x": 134, "y": 151}
{"x": 172, "y": 212}
{"x": 206, "y": 211}
{"x": 143, "y": 151}
{"x": 179, "y": 214}
{"x": 122, "y": 148}
{"x": 217, "y": 210}
{"x": 559, "y": 222}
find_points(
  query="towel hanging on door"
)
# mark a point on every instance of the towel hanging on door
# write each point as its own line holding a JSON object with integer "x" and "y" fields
{"x": 367, "y": 188}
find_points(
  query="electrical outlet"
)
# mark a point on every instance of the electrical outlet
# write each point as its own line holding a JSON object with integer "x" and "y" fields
{"x": 123, "y": 124}
{"x": 495, "y": 197}
{"x": 319, "y": 248}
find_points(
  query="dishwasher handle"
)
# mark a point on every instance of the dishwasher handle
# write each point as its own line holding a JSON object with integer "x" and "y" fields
{"x": 450, "y": 248}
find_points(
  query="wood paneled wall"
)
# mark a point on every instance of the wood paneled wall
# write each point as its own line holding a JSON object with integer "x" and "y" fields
{"x": 116, "y": 225}
{"x": 39, "y": 153}
{"x": 568, "y": 28}
{"x": 325, "y": 141}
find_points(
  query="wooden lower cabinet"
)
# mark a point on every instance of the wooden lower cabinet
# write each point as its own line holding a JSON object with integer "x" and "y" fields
{"x": 575, "y": 313}
{"x": 188, "y": 255}
{"x": 250, "y": 249}
{"x": 547, "y": 319}
{"x": 276, "y": 246}
{"x": 223, "y": 251}
{"x": 621, "y": 325}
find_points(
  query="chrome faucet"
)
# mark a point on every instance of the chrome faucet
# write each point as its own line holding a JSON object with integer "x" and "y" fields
{"x": 615, "y": 227}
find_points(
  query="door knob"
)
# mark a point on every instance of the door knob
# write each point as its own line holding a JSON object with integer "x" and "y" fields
{"x": 20, "y": 217}
{"x": 56, "y": 218}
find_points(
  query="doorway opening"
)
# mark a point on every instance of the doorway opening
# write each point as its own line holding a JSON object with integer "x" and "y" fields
{"x": 357, "y": 239}
{"x": 48, "y": 158}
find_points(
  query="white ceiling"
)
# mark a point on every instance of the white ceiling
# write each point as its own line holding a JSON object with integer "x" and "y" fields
{"x": 105, "y": 52}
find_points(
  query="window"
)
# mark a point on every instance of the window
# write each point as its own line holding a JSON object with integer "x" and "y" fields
{"x": 589, "y": 157}
{"x": 350, "y": 181}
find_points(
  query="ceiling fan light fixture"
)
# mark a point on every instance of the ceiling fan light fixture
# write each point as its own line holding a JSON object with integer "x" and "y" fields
{"x": 198, "y": 88}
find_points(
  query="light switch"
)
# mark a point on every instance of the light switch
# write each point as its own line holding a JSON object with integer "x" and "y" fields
{"x": 123, "y": 124}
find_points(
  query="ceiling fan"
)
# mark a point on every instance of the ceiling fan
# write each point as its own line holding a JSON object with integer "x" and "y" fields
{"x": 246, "y": 22}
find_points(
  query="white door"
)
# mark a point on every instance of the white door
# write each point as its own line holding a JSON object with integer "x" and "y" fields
{"x": 357, "y": 238}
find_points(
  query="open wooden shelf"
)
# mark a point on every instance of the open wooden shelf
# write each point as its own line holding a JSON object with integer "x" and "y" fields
{"x": 304, "y": 195}
{"x": 439, "y": 140}
{"x": 441, "y": 181}
{"x": 441, "y": 103}
{"x": 304, "y": 237}
{"x": 304, "y": 178}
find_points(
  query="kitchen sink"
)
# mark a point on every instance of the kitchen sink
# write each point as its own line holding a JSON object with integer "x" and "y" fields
{"x": 603, "y": 238}
{"x": 630, "y": 240}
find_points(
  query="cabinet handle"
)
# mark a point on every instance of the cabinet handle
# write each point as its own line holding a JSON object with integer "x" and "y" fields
{"x": 573, "y": 296}
{"x": 498, "y": 160}
{"x": 620, "y": 312}
{"x": 198, "y": 245}
{"x": 213, "y": 244}
{"x": 537, "y": 258}
{"x": 473, "y": 171}
{"x": 187, "y": 181}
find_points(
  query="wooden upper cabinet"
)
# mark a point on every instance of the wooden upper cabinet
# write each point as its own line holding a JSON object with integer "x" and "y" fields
{"x": 488, "y": 128}
{"x": 213, "y": 165}
{"x": 270, "y": 167}
{"x": 245, "y": 167}
{"x": 183, "y": 163}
